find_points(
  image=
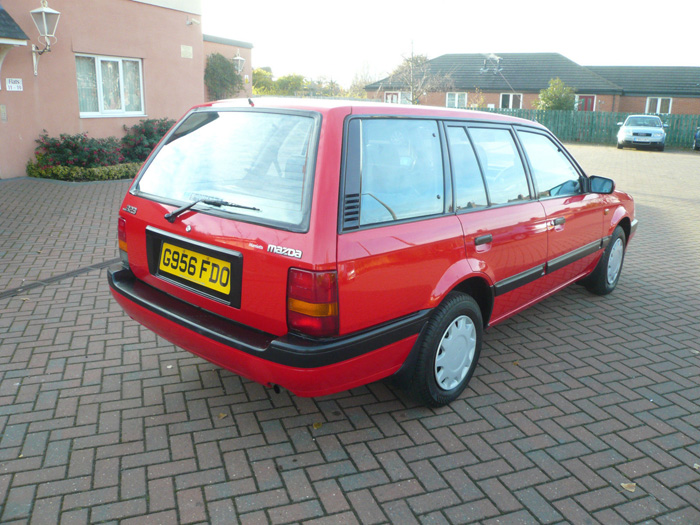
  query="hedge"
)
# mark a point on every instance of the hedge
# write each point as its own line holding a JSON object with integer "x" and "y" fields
{"x": 79, "y": 174}
{"x": 82, "y": 158}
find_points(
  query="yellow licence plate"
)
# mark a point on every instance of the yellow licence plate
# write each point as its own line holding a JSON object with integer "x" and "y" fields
{"x": 203, "y": 270}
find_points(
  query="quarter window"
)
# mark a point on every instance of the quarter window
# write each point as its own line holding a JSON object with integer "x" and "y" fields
{"x": 511, "y": 100}
{"x": 109, "y": 86}
{"x": 401, "y": 170}
{"x": 661, "y": 106}
{"x": 456, "y": 100}
{"x": 555, "y": 175}
{"x": 469, "y": 186}
{"x": 501, "y": 164}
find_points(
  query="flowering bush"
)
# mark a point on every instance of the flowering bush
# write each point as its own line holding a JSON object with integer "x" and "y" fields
{"x": 140, "y": 139}
{"x": 79, "y": 157}
{"x": 77, "y": 151}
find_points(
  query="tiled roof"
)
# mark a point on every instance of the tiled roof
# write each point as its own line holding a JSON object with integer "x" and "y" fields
{"x": 653, "y": 80}
{"x": 520, "y": 72}
{"x": 9, "y": 28}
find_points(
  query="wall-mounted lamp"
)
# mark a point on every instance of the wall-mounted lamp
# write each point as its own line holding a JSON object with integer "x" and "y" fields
{"x": 46, "y": 21}
{"x": 191, "y": 21}
{"x": 238, "y": 62}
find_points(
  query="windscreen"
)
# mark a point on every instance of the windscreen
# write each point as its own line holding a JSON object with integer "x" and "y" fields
{"x": 258, "y": 163}
{"x": 647, "y": 122}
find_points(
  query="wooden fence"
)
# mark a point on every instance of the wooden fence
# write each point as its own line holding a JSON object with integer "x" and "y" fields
{"x": 599, "y": 127}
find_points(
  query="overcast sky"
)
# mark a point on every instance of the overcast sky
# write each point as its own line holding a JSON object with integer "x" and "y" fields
{"x": 341, "y": 39}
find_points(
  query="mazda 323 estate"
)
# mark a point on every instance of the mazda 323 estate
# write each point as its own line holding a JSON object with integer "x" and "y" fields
{"x": 318, "y": 246}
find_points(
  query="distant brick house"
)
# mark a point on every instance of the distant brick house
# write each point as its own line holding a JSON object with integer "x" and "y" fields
{"x": 115, "y": 62}
{"x": 514, "y": 80}
{"x": 649, "y": 89}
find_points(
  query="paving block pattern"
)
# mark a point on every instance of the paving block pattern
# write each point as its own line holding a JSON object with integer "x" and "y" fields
{"x": 101, "y": 421}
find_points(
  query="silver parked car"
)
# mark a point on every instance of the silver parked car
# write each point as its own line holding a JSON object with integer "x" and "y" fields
{"x": 642, "y": 131}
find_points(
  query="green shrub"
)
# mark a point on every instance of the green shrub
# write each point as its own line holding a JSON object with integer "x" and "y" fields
{"x": 81, "y": 174}
{"x": 77, "y": 151}
{"x": 140, "y": 139}
{"x": 220, "y": 77}
{"x": 82, "y": 158}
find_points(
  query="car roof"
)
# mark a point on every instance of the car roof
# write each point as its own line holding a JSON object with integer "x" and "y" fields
{"x": 361, "y": 107}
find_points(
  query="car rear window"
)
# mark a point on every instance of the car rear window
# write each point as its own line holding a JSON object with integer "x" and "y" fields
{"x": 262, "y": 162}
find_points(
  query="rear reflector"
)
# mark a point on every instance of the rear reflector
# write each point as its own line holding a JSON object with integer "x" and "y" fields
{"x": 312, "y": 302}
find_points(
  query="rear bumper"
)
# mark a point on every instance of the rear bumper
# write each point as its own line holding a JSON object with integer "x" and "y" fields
{"x": 304, "y": 366}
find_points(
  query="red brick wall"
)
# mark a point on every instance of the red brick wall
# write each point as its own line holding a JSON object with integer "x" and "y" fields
{"x": 679, "y": 106}
{"x": 685, "y": 106}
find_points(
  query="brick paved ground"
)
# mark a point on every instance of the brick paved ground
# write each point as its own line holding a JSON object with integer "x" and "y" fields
{"x": 102, "y": 421}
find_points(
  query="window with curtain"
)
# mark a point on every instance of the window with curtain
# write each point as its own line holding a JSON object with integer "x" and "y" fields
{"x": 109, "y": 86}
{"x": 456, "y": 100}
{"x": 511, "y": 100}
{"x": 659, "y": 105}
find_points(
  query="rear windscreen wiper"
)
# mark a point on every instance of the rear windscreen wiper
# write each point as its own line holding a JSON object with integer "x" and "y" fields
{"x": 170, "y": 217}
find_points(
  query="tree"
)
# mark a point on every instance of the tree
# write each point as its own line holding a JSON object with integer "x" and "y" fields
{"x": 416, "y": 74}
{"x": 477, "y": 100}
{"x": 557, "y": 96}
{"x": 290, "y": 85}
{"x": 322, "y": 87}
{"x": 359, "y": 81}
{"x": 262, "y": 82}
{"x": 220, "y": 77}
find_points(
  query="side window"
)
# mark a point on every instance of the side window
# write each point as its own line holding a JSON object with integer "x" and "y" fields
{"x": 401, "y": 170}
{"x": 554, "y": 174}
{"x": 469, "y": 186}
{"x": 503, "y": 169}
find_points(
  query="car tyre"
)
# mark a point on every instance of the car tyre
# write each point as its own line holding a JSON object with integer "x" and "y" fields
{"x": 662, "y": 147}
{"x": 604, "y": 278}
{"x": 619, "y": 146}
{"x": 449, "y": 349}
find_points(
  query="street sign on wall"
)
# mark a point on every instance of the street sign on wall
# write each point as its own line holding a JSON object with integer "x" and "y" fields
{"x": 13, "y": 84}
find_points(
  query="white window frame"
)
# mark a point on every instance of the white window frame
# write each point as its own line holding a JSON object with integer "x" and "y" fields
{"x": 655, "y": 110}
{"x": 457, "y": 96}
{"x": 111, "y": 113}
{"x": 404, "y": 97}
{"x": 510, "y": 98}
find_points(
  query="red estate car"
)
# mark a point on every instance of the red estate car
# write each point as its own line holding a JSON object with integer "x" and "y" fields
{"x": 319, "y": 246}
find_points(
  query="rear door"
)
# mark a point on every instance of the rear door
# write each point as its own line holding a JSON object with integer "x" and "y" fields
{"x": 574, "y": 217}
{"x": 398, "y": 235}
{"x": 504, "y": 227}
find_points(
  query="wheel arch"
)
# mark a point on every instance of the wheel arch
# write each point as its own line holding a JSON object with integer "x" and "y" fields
{"x": 480, "y": 290}
{"x": 626, "y": 224}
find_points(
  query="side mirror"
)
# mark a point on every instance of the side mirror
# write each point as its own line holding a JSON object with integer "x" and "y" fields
{"x": 619, "y": 123}
{"x": 601, "y": 185}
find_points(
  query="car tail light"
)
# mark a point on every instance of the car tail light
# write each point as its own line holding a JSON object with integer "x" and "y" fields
{"x": 121, "y": 235}
{"x": 312, "y": 302}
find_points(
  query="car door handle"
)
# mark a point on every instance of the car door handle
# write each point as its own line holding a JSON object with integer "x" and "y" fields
{"x": 483, "y": 239}
{"x": 559, "y": 221}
